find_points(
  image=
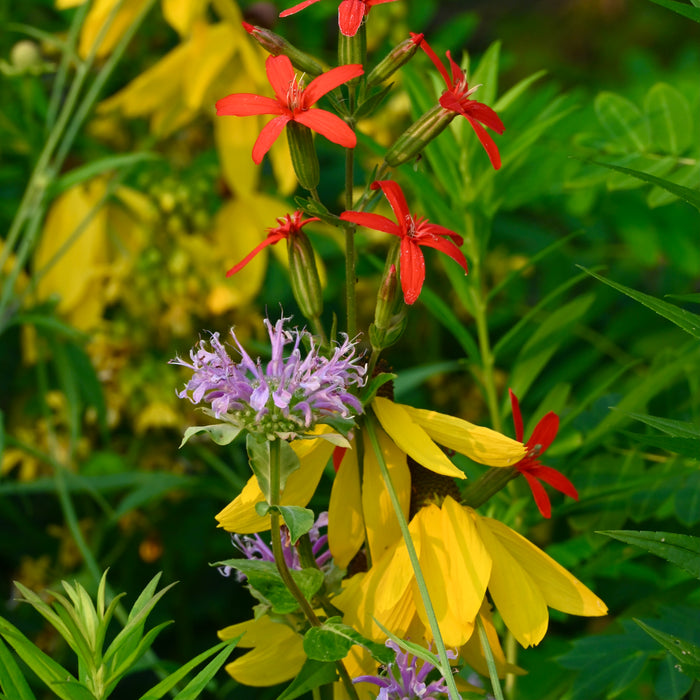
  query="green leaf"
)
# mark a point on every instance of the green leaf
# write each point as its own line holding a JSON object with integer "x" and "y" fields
{"x": 12, "y": 680}
{"x": 312, "y": 675}
{"x": 670, "y": 119}
{"x": 486, "y": 74}
{"x": 623, "y": 121}
{"x": 675, "y": 428}
{"x": 641, "y": 163}
{"x": 688, "y": 447}
{"x": 220, "y": 433}
{"x": 370, "y": 389}
{"x": 686, "y": 652}
{"x": 685, "y": 193}
{"x": 520, "y": 88}
{"x": 416, "y": 649}
{"x": 681, "y": 8}
{"x": 264, "y": 577}
{"x": 689, "y": 322}
{"x": 297, "y": 519}
{"x": 333, "y": 640}
{"x": 258, "y": 449}
{"x": 670, "y": 683}
{"x": 168, "y": 683}
{"x": 688, "y": 177}
{"x": 681, "y": 550}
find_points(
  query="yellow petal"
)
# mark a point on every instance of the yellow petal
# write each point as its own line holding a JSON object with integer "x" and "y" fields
{"x": 346, "y": 529}
{"x": 234, "y": 143}
{"x": 380, "y": 520}
{"x": 240, "y": 516}
{"x": 469, "y": 561}
{"x": 100, "y": 13}
{"x": 434, "y": 561}
{"x": 277, "y": 654}
{"x": 181, "y": 14}
{"x": 282, "y": 167}
{"x": 411, "y": 438}
{"x": 483, "y": 445}
{"x": 560, "y": 589}
{"x": 517, "y": 597}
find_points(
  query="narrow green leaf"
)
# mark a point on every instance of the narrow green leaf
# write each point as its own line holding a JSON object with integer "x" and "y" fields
{"x": 685, "y": 193}
{"x": 670, "y": 119}
{"x": 297, "y": 519}
{"x": 168, "y": 683}
{"x": 687, "y": 176}
{"x": 369, "y": 391}
{"x": 220, "y": 433}
{"x": 623, "y": 121}
{"x": 681, "y": 8}
{"x": 416, "y": 649}
{"x": 333, "y": 640}
{"x": 687, "y": 653}
{"x": 688, "y": 447}
{"x": 442, "y": 313}
{"x": 312, "y": 675}
{"x": 681, "y": 550}
{"x": 689, "y": 322}
{"x": 486, "y": 74}
{"x": 121, "y": 664}
{"x": 520, "y": 88}
{"x": 12, "y": 680}
{"x": 672, "y": 427}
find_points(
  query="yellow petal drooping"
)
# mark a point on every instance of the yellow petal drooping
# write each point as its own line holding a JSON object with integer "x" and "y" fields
{"x": 181, "y": 14}
{"x": 517, "y": 597}
{"x": 380, "y": 520}
{"x": 411, "y": 438}
{"x": 346, "y": 528}
{"x": 483, "y": 445}
{"x": 559, "y": 588}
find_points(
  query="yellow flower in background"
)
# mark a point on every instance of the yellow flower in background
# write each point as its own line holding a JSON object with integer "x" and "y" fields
{"x": 462, "y": 554}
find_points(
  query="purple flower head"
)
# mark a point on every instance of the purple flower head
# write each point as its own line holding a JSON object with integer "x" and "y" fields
{"x": 402, "y": 681}
{"x": 254, "y": 547}
{"x": 283, "y": 398}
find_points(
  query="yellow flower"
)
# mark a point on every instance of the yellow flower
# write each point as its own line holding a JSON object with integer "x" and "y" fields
{"x": 462, "y": 554}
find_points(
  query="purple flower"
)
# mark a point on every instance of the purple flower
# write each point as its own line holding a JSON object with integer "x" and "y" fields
{"x": 254, "y": 547}
{"x": 286, "y": 396}
{"x": 403, "y": 682}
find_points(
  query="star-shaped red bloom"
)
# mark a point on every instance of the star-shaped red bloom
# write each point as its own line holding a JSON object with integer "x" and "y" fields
{"x": 457, "y": 98}
{"x": 350, "y": 13}
{"x": 292, "y": 102}
{"x": 289, "y": 225}
{"x": 414, "y": 232}
{"x": 530, "y": 466}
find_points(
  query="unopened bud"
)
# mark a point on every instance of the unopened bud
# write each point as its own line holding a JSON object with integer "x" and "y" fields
{"x": 352, "y": 49}
{"x": 419, "y": 135}
{"x": 390, "y": 312}
{"x": 397, "y": 57}
{"x": 303, "y": 153}
{"x": 25, "y": 56}
{"x": 276, "y": 45}
{"x": 303, "y": 274}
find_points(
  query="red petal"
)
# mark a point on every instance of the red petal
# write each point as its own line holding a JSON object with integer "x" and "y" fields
{"x": 328, "y": 81}
{"x": 448, "y": 248}
{"x": 436, "y": 62}
{"x": 280, "y": 73}
{"x": 267, "y": 137}
{"x": 555, "y": 479}
{"x": 437, "y": 230}
{"x": 412, "y": 270}
{"x": 457, "y": 72}
{"x": 545, "y": 432}
{"x": 373, "y": 221}
{"x": 297, "y": 8}
{"x": 517, "y": 416}
{"x": 540, "y": 495}
{"x": 486, "y": 116}
{"x": 397, "y": 200}
{"x": 338, "y": 454}
{"x": 245, "y": 104}
{"x": 270, "y": 240}
{"x": 487, "y": 142}
{"x": 350, "y": 16}
{"x": 372, "y": 3}
{"x": 329, "y": 125}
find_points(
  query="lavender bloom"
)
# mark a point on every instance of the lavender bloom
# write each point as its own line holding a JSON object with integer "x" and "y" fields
{"x": 403, "y": 682}
{"x": 282, "y": 399}
{"x": 254, "y": 547}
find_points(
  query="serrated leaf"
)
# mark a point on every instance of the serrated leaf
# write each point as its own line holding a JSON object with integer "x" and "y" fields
{"x": 681, "y": 550}
{"x": 623, "y": 121}
{"x": 670, "y": 119}
{"x": 689, "y": 322}
{"x": 12, "y": 680}
{"x": 333, "y": 640}
{"x": 220, "y": 433}
{"x": 681, "y": 8}
{"x": 687, "y": 653}
{"x": 297, "y": 519}
{"x": 688, "y": 447}
{"x": 312, "y": 675}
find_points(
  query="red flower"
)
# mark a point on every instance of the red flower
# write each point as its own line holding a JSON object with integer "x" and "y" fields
{"x": 530, "y": 467}
{"x": 289, "y": 225}
{"x": 414, "y": 232}
{"x": 292, "y": 102}
{"x": 350, "y": 13}
{"x": 457, "y": 99}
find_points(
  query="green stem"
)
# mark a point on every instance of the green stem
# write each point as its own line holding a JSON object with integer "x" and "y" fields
{"x": 488, "y": 484}
{"x": 445, "y": 668}
{"x": 281, "y": 563}
{"x": 350, "y": 262}
{"x": 490, "y": 662}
